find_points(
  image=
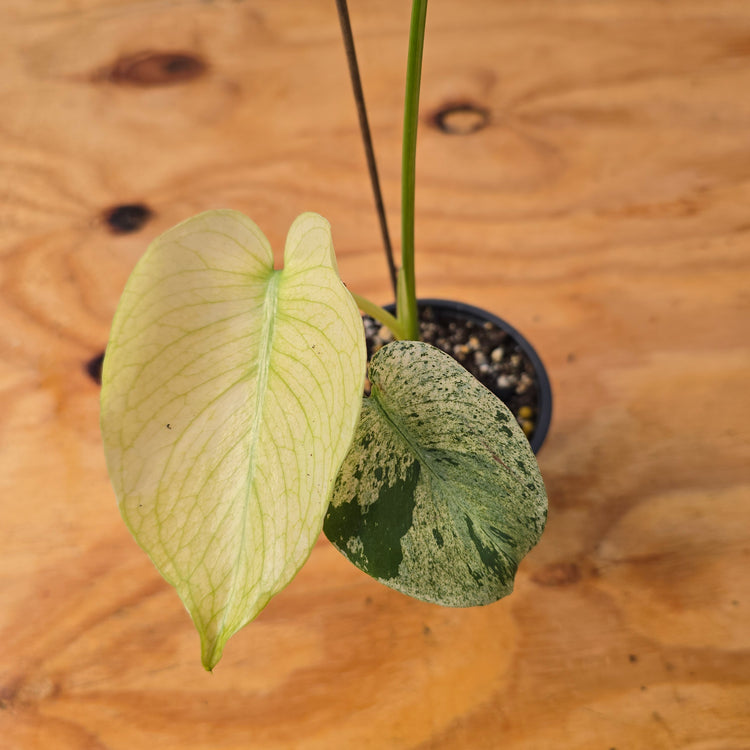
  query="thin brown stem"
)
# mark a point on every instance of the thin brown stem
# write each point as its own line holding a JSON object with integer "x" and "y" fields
{"x": 364, "y": 126}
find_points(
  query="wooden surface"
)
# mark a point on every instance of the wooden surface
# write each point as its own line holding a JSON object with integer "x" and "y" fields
{"x": 604, "y": 210}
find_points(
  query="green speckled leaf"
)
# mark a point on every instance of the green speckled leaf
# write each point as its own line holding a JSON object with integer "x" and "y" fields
{"x": 230, "y": 394}
{"x": 440, "y": 495}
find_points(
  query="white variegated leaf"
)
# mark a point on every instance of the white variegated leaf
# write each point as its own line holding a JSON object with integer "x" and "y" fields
{"x": 440, "y": 495}
{"x": 230, "y": 393}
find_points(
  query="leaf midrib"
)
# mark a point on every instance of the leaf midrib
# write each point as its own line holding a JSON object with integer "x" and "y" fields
{"x": 270, "y": 307}
{"x": 404, "y": 433}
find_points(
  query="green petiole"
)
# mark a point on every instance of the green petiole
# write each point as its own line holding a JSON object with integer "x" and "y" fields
{"x": 407, "y": 302}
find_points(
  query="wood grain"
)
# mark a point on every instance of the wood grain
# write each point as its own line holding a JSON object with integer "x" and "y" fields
{"x": 603, "y": 210}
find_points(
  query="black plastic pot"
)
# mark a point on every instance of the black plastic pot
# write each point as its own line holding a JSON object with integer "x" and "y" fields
{"x": 445, "y": 312}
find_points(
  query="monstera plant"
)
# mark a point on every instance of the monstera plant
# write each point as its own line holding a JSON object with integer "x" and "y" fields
{"x": 235, "y": 426}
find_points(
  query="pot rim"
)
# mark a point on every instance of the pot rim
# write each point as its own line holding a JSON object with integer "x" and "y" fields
{"x": 544, "y": 403}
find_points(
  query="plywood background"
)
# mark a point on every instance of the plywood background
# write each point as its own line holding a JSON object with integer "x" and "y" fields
{"x": 604, "y": 210}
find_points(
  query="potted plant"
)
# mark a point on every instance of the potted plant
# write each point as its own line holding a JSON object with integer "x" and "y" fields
{"x": 235, "y": 427}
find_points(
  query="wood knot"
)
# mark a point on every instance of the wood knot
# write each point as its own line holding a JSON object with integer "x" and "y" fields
{"x": 148, "y": 68}
{"x": 94, "y": 368}
{"x": 557, "y": 574}
{"x": 462, "y": 118}
{"x": 128, "y": 217}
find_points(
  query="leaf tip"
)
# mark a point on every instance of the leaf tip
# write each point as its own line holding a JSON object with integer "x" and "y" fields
{"x": 211, "y": 652}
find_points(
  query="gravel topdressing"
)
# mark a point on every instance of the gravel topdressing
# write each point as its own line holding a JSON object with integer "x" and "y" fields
{"x": 487, "y": 351}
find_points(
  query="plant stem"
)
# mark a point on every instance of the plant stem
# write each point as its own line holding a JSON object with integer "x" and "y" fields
{"x": 408, "y": 315}
{"x": 378, "y": 313}
{"x": 364, "y": 126}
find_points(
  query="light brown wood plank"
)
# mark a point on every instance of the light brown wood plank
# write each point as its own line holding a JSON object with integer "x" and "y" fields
{"x": 603, "y": 210}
